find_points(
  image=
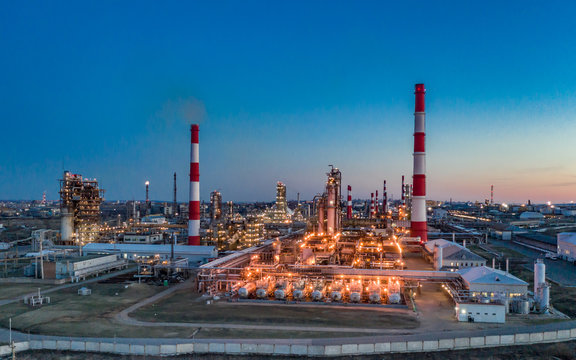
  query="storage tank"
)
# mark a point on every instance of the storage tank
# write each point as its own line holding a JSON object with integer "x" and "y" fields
{"x": 394, "y": 298}
{"x": 545, "y": 300}
{"x": 374, "y": 293}
{"x": 523, "y": 307}
{"x": 245, "y": 291}
{"x": 283, "y": 290}
{"x": 355, "y": 291}
{"x": 299, "y": 290}
{"x": 539, "y": 276}
{"x": 337, "y": 289}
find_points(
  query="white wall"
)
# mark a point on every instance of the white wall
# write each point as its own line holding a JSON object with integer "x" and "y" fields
{"x": 488, "y": 313}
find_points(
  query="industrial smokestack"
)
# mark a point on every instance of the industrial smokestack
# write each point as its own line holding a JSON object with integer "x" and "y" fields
{"x": 418, "y": 223}
{"x": 175, "y": 202}
{"x": 371, "y": 205}
{"x": 194, "y": 203}
{"x": 376, "y": 205}
{"x": 384, "y": 200}
{"x": 491, "y": 194}
{"x": 349, "y": 203}
{"x": 147, "y": 183}
{"x": 403, "y": 192}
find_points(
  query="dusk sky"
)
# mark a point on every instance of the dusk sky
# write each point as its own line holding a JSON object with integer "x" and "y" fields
{"x": 283, "y": 89}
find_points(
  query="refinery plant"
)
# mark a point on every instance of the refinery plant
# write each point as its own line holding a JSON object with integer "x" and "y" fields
{"x": 339, "y": 250}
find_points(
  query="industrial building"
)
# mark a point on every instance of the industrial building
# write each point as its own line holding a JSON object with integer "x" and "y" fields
{"x": 195, "y": 254}
{"x": 567, "y": 246}
{"x": 80, "y": 200}
{"x": 451, "y": 256}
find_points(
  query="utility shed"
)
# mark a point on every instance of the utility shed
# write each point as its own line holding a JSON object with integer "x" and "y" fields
{"x": 448, "y": 255}
{"x": 79, "y": 267}
{"x": 493, "y": 283}
{"x": 567, "y": 245}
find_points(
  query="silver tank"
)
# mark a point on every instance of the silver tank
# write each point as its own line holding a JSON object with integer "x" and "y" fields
{"x": 261, "y": 293}
{"x": 355, "y": 297}
{"x": 298, "y": 294}
{"x": 336, "y": 295}
{"x": 317, "y": 295}
{"x": 244, "y": 291}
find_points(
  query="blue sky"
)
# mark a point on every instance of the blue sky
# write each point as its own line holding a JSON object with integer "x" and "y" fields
{"x": 282, "y": 89}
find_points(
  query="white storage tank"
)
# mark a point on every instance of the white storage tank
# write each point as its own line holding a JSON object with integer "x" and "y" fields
{"x": 539, "y": 276}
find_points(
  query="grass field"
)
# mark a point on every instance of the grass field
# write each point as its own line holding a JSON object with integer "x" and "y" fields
{"x": 170, "y": 310}
{"x": 9, "y": 291}
{"x": 72, "y": 315}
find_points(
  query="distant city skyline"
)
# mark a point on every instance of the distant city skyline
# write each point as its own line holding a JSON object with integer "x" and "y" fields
{"x": 282, "y": 90}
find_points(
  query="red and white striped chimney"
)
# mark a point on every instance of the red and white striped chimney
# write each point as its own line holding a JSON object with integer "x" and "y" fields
{"x": 384, "y": 200}
{"x": 194, "y": 204}
{"x": 349, "y": 204}
{"x": 418, "y": 226}
{"x": 376, "y": 205}
{"x": 371, "y": 205}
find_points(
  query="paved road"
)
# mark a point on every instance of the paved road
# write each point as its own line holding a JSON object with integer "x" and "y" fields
{"x": 559, "y": 271}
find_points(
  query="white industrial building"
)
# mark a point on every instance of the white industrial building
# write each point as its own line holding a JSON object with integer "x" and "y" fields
{"x": 566, "y": 243}
{"x": 451, "y": 256}
{"x": 196, "y": 255}
{"x": 493, "y": 283}
{"x": 489, "y": 294}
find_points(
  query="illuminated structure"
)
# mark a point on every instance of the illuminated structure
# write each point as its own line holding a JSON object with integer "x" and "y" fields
{"x": 80, "y": 201}
{"x": 216, "y": 206}
{"x": 280, "y": 212}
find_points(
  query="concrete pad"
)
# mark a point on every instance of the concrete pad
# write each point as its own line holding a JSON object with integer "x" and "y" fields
{"x": 382, "y": 347}
{"x": 315, "y": 350}
{"x": 521, "y": 338}
{"x": 249, "y": 348}
{"x": 535, "y": 337}
{"x": 492, "y": 340}
{"x": 477, "y": 341}
{"x": 185, "y": 348}
{"x": 366, "y": 348}
{"x": 152, "y": 349}
{"x": 37, "y": 344}
{"x": 265, "y": 348}
{"x": 166, "y": 349}
{"x": 233, "y": 348}
{"x": 414, "y": 345}
{"x": 562, "y": 334}
{"x": 550, "y": 335}
{"x": 93, "y": 346}
{"x": 216, "y": 348}
{"x": 78, "y": 346}
{"x": 138, "y": 349}
{"x": 506, "y": 339}
{"x": 349, "y": 349}
{"x": 63, "y": 344}
{"x": 107, "y": 347}
{"x": 333, "y": 350}
{"x": 281, "y": 349}
{"x": 573, "y": 333}
{"x": 398, "y": 346}
{"x": 430, "y": 345}
{"x": 445, "y": 344}
{"x": 299, "y": 349}
{"x": 123, "y": 349}
{"x": 201, "y": 348}
{"x": 461, "y": 343}
{"x": 5, "y": 350}
{"x": 21, "y": 346}
{"x": 49, "y": 344}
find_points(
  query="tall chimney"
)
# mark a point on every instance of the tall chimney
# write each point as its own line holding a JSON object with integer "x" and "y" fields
{"x": 376, "y": 205}
{"x": 418, "y": 225}
{"x": 371, "y": 205}
{"x": 384, "y": 200}
{"x": 175, "y": 202}
{"x": 147, "y": 183}
{"x": 194, "y": 204}
{"x": 403, "y": 192}
{"x": 349, "y": 204}
{"x": 491, "y": 194}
